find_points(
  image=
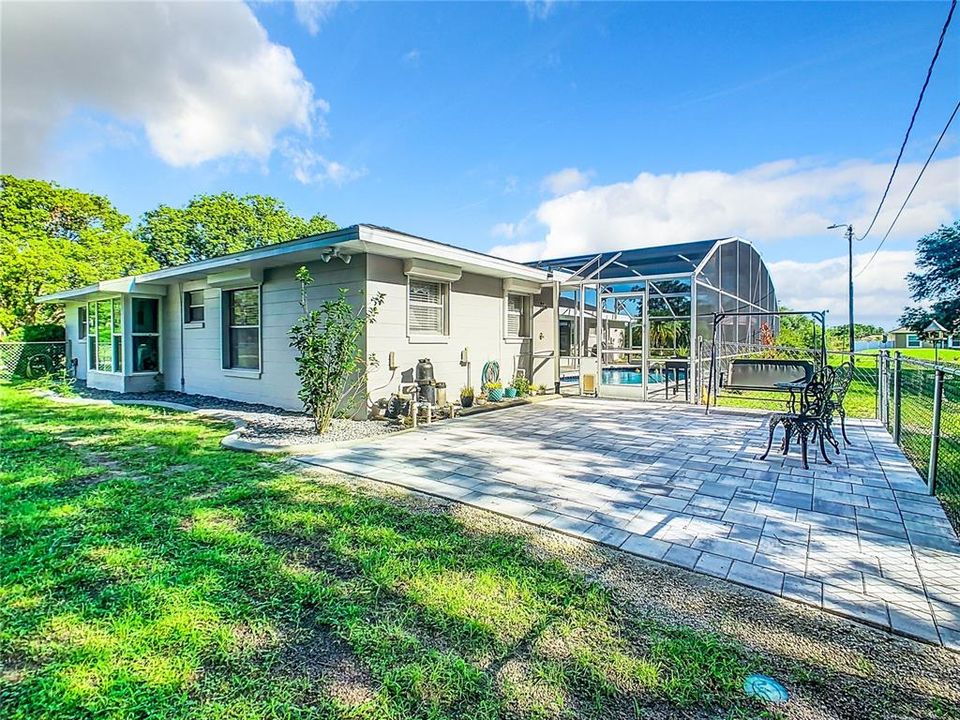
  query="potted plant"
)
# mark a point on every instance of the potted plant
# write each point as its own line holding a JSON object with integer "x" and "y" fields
{"x": 511, "y": 392}
{"x": 521, "y": 385}
{"x": 466, "y": 396}
{"x": 494, "y": 391}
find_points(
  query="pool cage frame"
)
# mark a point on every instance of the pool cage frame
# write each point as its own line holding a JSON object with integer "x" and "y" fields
{"x": 728, "y": 272}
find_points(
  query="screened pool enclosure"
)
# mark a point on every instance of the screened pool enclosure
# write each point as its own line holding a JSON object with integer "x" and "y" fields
{"x": 631, "y": 322}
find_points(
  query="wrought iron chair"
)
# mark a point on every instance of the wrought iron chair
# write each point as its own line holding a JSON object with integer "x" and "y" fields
{"x": 843, "y": 376}
{"x": 811, "y": 422}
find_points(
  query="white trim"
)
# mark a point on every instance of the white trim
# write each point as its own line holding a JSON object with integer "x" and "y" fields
{"x": 225, "y": 334}
{"x": 249, "y": 374}
{"x": 426, "y": 270}
{"x": 446, "y": 292}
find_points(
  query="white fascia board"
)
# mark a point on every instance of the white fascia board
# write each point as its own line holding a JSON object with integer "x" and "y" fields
{"x": 379, "y": 242}
{"x": 313, "y": 242}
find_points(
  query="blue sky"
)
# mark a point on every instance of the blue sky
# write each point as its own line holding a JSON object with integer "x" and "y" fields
{"x": 530, "y": 129}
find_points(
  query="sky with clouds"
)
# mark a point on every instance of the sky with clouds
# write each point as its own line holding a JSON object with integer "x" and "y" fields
{"x": 526, "y": 129}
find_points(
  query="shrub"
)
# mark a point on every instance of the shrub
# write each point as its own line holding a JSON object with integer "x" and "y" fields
{"x": 331, "y": 366}
{"x": 49, "y": 332}
{"x": 521, "y": 384}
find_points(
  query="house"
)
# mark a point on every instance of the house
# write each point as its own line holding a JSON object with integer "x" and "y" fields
{"x": 220, "y": 326}
{"x": 904, "y": 337}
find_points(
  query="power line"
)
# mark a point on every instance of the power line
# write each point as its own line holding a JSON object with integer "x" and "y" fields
{"x": 915, "y": 183}
{"x": 913, "y": 118}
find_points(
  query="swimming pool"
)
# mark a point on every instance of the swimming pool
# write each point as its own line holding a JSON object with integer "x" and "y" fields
{"x": 628, "y": 377}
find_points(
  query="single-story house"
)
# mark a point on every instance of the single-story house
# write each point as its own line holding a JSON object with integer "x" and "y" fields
{"x": 220, "y": 326}
{"x": 904, "y": 337}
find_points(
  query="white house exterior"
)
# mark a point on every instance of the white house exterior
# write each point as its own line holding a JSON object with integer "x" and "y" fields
{"x": 220, "y": 326}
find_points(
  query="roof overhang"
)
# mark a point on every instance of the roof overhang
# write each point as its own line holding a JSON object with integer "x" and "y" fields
{"x": 341, "y": 244}
{"x": 105, "y": 288}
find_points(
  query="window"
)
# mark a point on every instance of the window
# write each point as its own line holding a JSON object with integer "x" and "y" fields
{"x": 243, "y": 329}
{"x": 105, "y": 335}
{"x": 913, "y": 341}
{"x": 426, "y": 307}
{"x": 82, "y": 323}
{"x": 145, "y": 334}
{"x": 955, "y": 341}
{"x": 193, "y": 306}
{"x": 518, "y": 316}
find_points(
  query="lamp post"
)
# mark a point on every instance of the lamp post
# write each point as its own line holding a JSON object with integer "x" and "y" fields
{"x": 849, "y": 230}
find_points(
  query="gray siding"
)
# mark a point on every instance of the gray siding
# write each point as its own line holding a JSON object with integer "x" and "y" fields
{"x": 76, "y": 348}
{"x": 476, "y": 322}
{"x": 277, "y": 383}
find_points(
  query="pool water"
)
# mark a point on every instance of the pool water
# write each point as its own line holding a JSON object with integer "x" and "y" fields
{"x": 628, "y": 377}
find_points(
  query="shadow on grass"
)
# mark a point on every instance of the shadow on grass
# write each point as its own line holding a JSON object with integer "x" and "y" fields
{"x": 147, "y": 572}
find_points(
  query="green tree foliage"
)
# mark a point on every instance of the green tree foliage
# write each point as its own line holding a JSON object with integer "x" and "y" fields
{"x": 54, "y": 238}
{"x": 212, "y": 225}
{"x": 796, "y": 331}
{"x": 330, "y": 362}
{"x": 936, "y": 284}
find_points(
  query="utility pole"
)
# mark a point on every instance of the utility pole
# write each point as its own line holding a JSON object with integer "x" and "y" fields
{"x": 849, "y": 231}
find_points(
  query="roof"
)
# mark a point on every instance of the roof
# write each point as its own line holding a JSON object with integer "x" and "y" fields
{"x": 673, "y": 259}
{"x": 356, "y": 239}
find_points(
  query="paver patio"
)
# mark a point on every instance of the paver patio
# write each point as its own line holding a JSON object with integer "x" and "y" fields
{"x": 860, "y": 538}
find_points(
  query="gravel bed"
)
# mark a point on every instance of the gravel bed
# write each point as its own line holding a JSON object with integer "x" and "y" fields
{"x": 264, "y": 423}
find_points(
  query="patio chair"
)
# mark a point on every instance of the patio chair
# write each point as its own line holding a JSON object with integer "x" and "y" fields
{"x": 843, "y": 376}
{"x": 811, "y": 422}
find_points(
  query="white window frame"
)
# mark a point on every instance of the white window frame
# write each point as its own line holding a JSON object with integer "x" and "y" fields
{"x": 188, "y": 307}
{"x": 914, "y": 341}
{"x": 526, "y": 316}
{"x": 93, "y": 341}
{"x": 82, "y": 327}
{"x": 225, "y": 297}
{"x": 954, "y": 341}
{"x": 147, "y": 334}
{"x": 445, "y": 294}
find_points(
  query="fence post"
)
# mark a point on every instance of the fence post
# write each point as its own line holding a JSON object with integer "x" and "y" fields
{"x": 896, "y": 397}
{"x": 935, "y": 432}
{"x": 879, "y": 414}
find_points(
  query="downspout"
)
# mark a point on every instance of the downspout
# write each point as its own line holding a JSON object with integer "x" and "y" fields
{"x": 183, "y": 382}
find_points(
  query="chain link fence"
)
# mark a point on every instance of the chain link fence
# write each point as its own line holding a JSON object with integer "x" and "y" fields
{"x": 31, "y": 360}
{"x": 917, "y": 400}
{"x": 920, "y": 405}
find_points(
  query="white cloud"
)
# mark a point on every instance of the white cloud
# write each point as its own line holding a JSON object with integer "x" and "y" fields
{"x": 202, "y": 79}
{"x": 565, "y": 181}
{"x": 539, "y": 9}
{"x": 768, "y": 203}
{"x": 312, "y": 14}
{"x": 880, "y": 293}
{"x": 309, "y": 167}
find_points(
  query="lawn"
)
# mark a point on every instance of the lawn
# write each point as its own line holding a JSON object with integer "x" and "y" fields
{"x": 146, "y": 572}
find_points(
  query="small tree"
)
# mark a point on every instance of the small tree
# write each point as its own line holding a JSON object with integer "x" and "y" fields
{"x": 332, "y": 369}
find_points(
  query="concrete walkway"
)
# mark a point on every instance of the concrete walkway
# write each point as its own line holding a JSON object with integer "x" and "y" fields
{"x": 859, "y": 538}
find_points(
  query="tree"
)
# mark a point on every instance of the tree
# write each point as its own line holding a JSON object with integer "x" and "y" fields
{"x": 936, "y": 284}
{"x": 54, "y": 238}
{"x": 331, "y": 366}
{"x": 212, "y": 225}
{"x": 796, "y": 331}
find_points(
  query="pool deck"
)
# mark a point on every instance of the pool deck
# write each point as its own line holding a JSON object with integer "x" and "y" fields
{"x": 859, "y": 537}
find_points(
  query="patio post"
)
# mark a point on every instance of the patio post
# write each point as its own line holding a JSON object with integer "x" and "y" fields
{"x": 935, "y": 432}
{"x": 897, "y": 364}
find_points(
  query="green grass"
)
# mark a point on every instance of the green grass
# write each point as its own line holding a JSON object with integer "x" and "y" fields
{"x": 146, "y": 572}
